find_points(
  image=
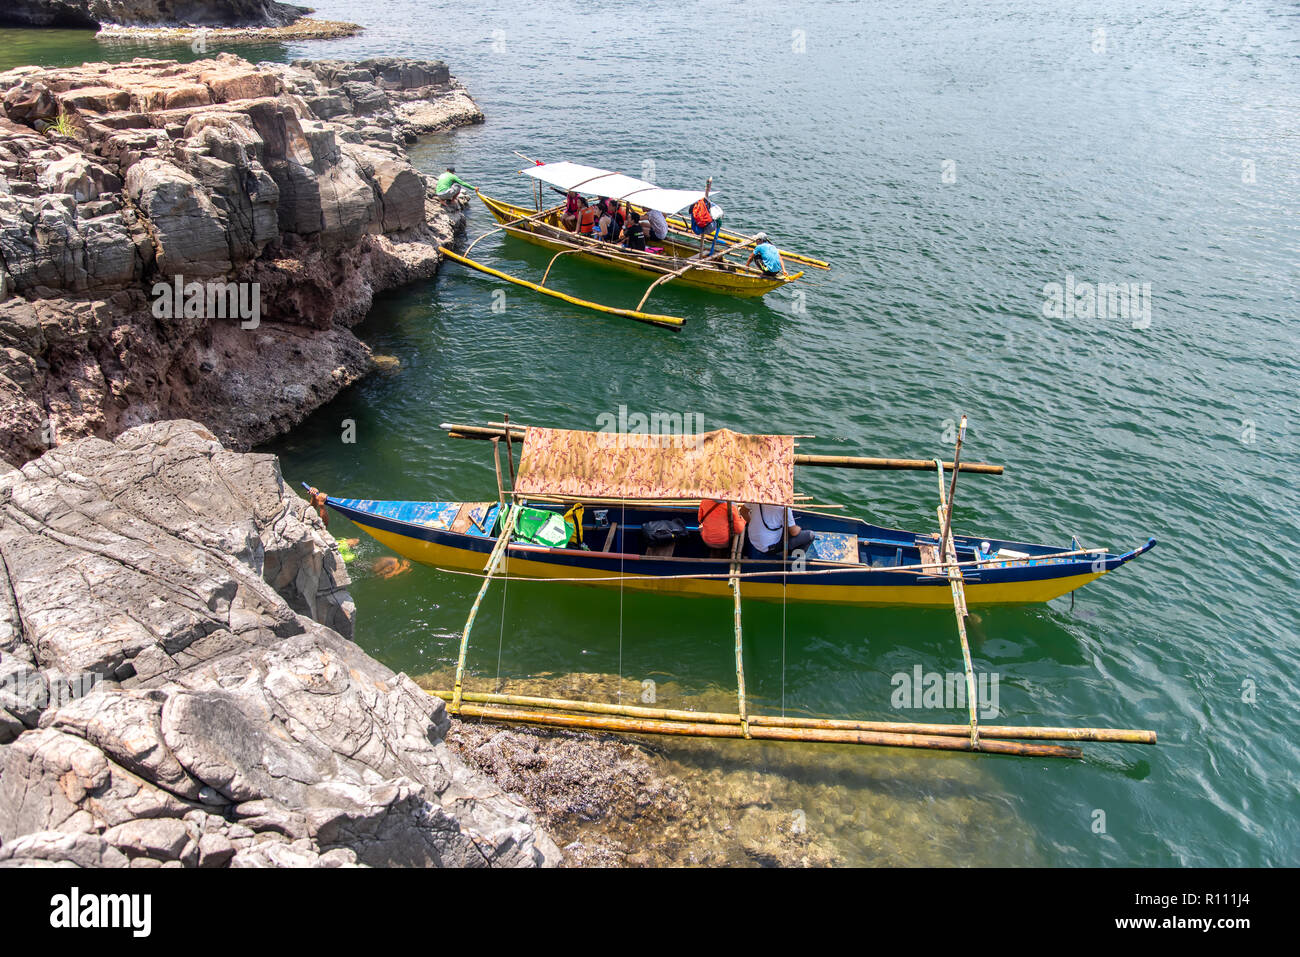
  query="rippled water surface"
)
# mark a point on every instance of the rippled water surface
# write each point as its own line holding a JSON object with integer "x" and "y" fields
{"x": 1162, "y": 152}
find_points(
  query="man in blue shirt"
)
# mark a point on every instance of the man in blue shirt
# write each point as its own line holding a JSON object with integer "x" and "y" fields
{"x": 769, "y": 258}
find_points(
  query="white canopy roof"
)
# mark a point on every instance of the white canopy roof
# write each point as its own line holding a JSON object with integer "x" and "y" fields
{"x": 589, "y": 179}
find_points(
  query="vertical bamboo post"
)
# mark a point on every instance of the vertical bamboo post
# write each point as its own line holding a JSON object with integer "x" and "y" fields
{"x": 494, "y": 559}
{"x": 737, "y": 547}
{"x": 708, "y": 186}
{"x": 948, "y": 553}
{"x": 496, "y": 458}
{"x": 510, "y": 452}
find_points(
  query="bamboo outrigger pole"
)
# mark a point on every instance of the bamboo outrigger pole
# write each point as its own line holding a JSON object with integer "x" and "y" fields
{"x": 498, "y": 552}
{"x": 768, "y": 732}
{"x": 948, "y": 554}
{"x": 736, "y": 548}
{"x": 1028, "y": 732}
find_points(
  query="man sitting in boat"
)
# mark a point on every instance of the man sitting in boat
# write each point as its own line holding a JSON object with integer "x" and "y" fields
{"x": 769, "y": 258}
{"x": 658, "y": 225}
{"x": 634, "y": 232}
{"x": 765, "y": 531}
{"x": 448, "y": 188}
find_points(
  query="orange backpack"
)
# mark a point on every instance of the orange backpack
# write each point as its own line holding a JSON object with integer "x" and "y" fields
{"x": 700, "y": 214}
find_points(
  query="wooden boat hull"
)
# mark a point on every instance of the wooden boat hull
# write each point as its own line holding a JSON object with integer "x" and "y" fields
{"x": 727, "y": 278}
{"x": 427, "y": 532}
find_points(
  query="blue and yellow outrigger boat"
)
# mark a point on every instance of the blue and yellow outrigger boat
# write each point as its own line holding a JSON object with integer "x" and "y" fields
{"x": 851, "y": 561}
{"x": 581, "y": 509}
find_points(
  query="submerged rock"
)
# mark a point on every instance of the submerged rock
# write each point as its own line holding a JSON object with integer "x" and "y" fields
{"x": 200, "y": 244}
{"x": 228, "y": 720}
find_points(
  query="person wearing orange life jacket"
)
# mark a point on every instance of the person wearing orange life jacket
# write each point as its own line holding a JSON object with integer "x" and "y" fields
{"x": 719, "y": 523}
{"x": 586, "y": 223}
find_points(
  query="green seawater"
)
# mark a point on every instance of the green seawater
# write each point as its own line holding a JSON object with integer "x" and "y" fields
{"x": 950, "y": 162}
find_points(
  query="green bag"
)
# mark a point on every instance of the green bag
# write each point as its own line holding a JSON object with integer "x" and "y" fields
{"x": 537, "y": 526}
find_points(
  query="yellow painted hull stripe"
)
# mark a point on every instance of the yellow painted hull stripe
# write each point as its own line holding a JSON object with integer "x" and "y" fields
{"x": 938, "y": 595}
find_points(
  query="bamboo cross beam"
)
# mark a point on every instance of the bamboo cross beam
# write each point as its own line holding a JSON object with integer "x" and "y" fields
{"x": 459, "y": 431}
{"x": 498, "y": 552}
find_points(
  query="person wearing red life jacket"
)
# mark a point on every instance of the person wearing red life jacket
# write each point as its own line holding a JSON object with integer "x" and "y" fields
{"x": 720, "y": 522}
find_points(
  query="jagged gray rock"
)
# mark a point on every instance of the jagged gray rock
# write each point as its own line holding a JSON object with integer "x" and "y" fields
{"x": 230, "y": 722}
{"x": 212, "y": 171}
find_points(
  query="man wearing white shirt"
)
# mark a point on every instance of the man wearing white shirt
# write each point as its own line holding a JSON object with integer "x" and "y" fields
{"x": 764, "y": 530}
{"x": 658, "y": 225}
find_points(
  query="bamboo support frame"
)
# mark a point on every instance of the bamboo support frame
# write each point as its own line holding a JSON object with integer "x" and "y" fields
{"x": 948, "y": 554}
{"x": 680, "y": 227}
{"x": 514, "y": 222}
{"x": 736, "y": 548}
{"x": 562, "y": 252}
{"x": 670, "y": 322}
{"x": 498, "y": 552}
{"x": 694, "y": 264}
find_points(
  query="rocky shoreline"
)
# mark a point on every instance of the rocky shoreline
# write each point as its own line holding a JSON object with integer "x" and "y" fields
{"x": 178, "y": 687}
{"x": 290, "y": 183}
{"x": 249, "y": 16}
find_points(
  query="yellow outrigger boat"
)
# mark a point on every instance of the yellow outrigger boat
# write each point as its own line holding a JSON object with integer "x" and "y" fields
{"x": 679, "y": 257}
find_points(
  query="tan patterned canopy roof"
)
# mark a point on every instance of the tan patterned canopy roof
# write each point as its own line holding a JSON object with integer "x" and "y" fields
{"x": 721, "y": 464}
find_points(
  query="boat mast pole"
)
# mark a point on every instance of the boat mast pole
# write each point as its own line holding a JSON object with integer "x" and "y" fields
{"x": 948, "y": 556}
